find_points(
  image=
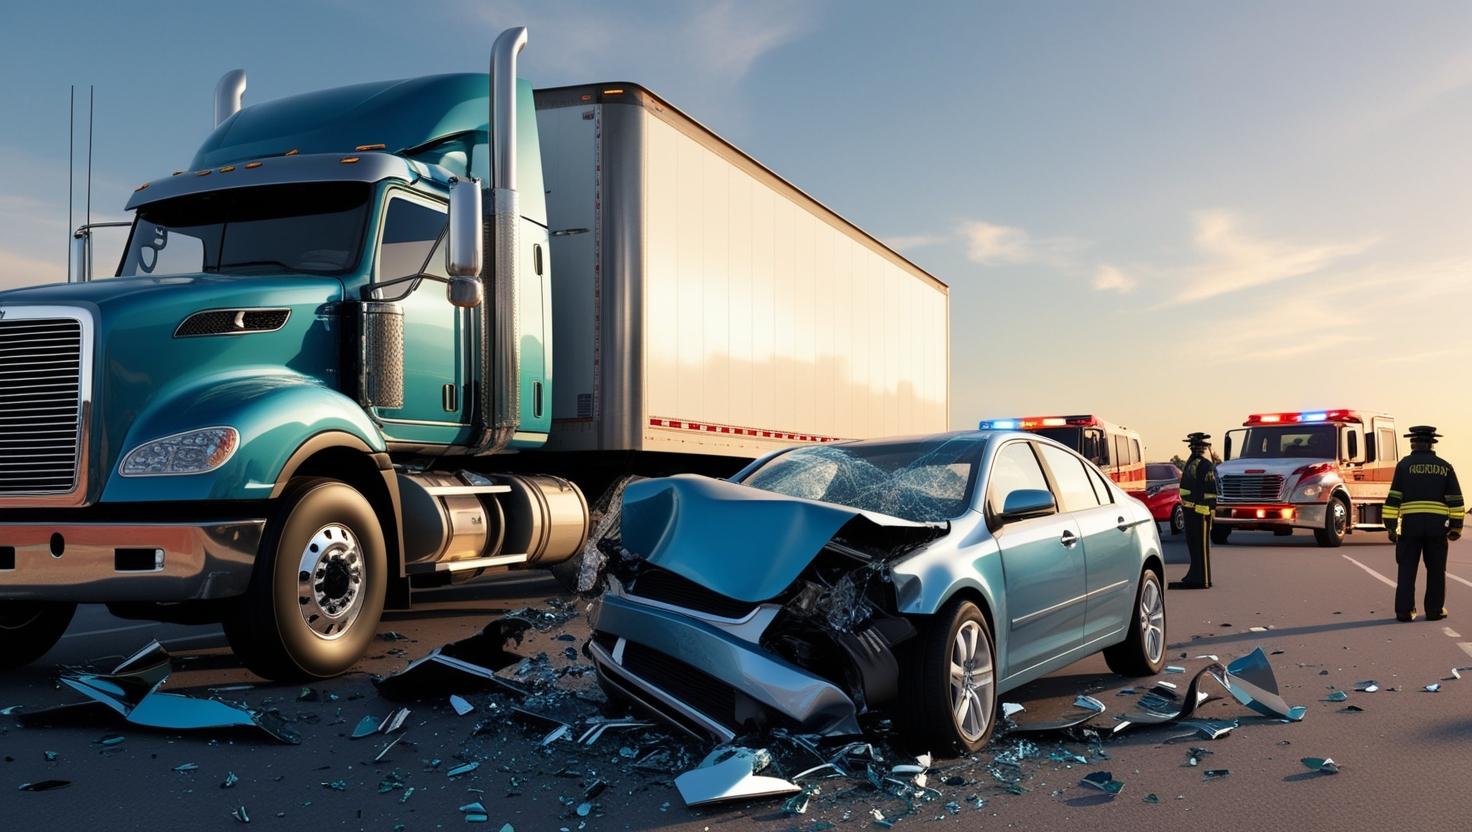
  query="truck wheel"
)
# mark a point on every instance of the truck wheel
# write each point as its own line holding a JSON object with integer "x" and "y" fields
{"x": 318, "y": 588}
{"x": 1178, "y": 519}
{"x": 1220, "y": 534}
{"x": 30, "y": 628}
{"x": 1336, "y": 523}
{"x": 1143, "y": 652}
{"x": 949, "y": 696}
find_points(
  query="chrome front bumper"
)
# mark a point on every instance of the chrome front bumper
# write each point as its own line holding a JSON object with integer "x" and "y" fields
{"x": 103, "y": 562}
{"x": 811, "y": 702}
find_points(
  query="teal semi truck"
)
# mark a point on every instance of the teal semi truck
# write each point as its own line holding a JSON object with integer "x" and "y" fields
{"x": 322, "y": 374}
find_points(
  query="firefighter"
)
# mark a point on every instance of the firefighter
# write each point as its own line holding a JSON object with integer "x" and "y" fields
{"x": 1423, "y": 512}
{"x": 1198, "y": 498}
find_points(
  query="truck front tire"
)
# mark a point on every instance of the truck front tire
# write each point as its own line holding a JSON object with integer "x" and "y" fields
{"x": 1336, "y": 524}
{"x": 30, "y": 628}
{"x": 318, "y": 588}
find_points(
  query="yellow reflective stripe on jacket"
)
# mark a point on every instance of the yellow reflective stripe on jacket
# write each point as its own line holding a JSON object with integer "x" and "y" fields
{"x": 1188, "y": 504}
{"x": 1185, "y": 492}
{"x": 1425, "y": 507}
{"x": 1395, "y": 493}
{"x": 1390, "y": 512}
{"x": 1204, "y": 510}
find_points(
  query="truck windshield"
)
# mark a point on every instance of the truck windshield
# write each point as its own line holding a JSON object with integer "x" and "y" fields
{"x": 922, "y": 481}
{"x": 316, "y": 228}
{"x": 1307, "y": 441}
{"x": 1071, "y": 437}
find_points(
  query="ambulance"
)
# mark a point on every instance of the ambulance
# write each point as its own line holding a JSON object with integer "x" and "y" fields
{"x": 1327, "y": 471}
{"x": 1114, "y": 448}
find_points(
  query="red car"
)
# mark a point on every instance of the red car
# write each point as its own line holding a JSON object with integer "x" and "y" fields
{"x": 1162, "y": 495}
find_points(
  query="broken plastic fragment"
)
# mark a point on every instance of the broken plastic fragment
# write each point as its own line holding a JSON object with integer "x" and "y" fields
{"x": 383, "y": 752}
{"x": 1151, "y": 798}
{"x": 1323, "y": 764}
{"x": 393, "y": 721}
{"x": 1217, "y": 773}
{"x": 1210, "y": 729}
{"x": 44, "y": 785}
{"x": 1011, "y": 709}
{"x": 1088, "y": 708}
{"x": 461, "y": 705}
{"x": 1336, "y": 696}
{"x": 230, "y": 780}
{"x": 241, "y": 815}
{"x": 1174, "y": 668}
{"x": 1369, "y": 685}
{"x": 731, "y": 774}
{"x": 1252, "y": 682}
{"x": 464, "y": 768}
{"x": 1432, "y": 688}
{"x": 1351, "y": 709}
{"x": 182, "y": 767}
{"x": 1103, "y": 781}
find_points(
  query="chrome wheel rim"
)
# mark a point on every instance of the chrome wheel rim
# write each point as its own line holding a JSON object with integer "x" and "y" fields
{"x": 1152, "y": 621}
{"x": 1341, "y": 518}
{"x": 1178, "y": 517}
{"x": 972, "y": 676}
{"x": 330, "y": 582}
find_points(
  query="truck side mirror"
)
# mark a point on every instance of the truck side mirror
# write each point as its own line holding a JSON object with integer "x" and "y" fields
{"x": 465, "y": 250}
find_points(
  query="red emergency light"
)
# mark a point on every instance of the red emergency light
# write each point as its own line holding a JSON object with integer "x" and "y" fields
{"x": 1303, "y": 417}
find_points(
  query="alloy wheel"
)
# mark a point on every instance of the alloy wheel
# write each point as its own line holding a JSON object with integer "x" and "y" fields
{"x": 972, "y": 677}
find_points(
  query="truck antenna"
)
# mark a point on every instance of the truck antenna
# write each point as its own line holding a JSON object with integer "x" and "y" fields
{"x": 91, "y": 97}
{"x": 71, "y": 141}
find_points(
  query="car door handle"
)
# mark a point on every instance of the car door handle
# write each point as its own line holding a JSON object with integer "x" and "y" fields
{"x": 1124, "y": 526}
{"x": 1068, "y": 539}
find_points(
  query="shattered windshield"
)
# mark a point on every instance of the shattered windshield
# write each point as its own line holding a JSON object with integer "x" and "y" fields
{"x": 315, "y": 228}
{"x": 918, "y": 480}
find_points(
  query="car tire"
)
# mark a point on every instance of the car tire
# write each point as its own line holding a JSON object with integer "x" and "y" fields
{"x": 1178, "y": 519}
{"x": 1220, "y": 535}
{"x": 1336, "y": 524}
{"x": 1142, "y": 653}
{"x": 953, "y": 662}
{"x": 317, "y": 592}
{"x": 28, "y": 629}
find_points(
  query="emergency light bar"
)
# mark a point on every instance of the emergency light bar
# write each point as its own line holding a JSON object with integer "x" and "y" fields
{"x": 1303, "y": 416}
{"x": 1035, "y": 422}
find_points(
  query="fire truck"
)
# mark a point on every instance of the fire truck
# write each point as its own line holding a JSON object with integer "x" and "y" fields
{"x": 1114, "y": 448}
{"x": 1323, "y": 470}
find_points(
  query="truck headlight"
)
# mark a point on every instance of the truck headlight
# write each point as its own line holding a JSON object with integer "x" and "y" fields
{"x": 1309, "y": 490}
{"x": 191, "y": 452}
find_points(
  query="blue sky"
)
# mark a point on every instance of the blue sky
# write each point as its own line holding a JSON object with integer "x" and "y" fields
{"x": 1172, "y": 214}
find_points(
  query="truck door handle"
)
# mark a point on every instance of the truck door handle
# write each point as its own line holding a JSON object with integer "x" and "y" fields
{"x": 1068, "y": 539}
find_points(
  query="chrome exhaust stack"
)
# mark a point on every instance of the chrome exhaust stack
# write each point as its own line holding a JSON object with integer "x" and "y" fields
{"x": 229, "y": 93}
{"x": 500, "y": 342}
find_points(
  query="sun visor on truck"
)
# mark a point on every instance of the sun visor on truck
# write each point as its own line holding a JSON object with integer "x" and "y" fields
{"x": 742, "y": 542}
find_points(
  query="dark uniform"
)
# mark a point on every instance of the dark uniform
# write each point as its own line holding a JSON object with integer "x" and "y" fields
{"x": 1198, "y": 498}
{"x": 1422, "y": 512}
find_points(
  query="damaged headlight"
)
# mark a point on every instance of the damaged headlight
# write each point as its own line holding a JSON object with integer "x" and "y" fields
{"x": 191, "y": 452}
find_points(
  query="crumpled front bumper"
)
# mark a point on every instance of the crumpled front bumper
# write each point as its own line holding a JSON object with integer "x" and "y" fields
{"x": 705, "y": 680}
{"x": 103, "y": 562}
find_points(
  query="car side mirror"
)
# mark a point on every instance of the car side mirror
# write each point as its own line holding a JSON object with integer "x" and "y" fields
{"x": 466, "y": 254}
{"x": 1028, "y": 502}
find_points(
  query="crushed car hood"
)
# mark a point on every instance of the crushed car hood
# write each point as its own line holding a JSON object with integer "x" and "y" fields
{"x": 746, "y": 543}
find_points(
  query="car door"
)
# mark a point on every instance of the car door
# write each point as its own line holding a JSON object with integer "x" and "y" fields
{"x": 1109, "y": 530}
{"x": 434, "y": 409}
{"x": 1043, "y": 565}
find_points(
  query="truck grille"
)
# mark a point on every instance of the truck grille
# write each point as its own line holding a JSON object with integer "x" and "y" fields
{"x": 1249, "y": 487}
{"x": 40, "y": 405}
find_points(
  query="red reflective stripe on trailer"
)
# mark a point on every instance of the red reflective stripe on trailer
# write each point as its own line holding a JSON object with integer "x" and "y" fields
{"x": 737, "y": 430}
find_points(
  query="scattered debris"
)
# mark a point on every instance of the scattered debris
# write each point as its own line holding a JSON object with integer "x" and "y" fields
{"x": 731, "y": 774}
{"x": 132, "y": 691}
{"x": 465, "y": 768}
{"x": 240, "y": 814}
{"x": 367, "y": 726}
{"x": 1217, "y": 773}
{"x": 1370, "y": 686}
{"x": 1103, "y": 781}
{"x": 1432, "y": 688}
{"x": 461, "y": 705}
{"x": 230, "y": 780}
{"x": 1321, "y": 764}
{"x": 1336, "y": 696}
{"x": 466, "y": 665}
{"x": 44, "y": 785}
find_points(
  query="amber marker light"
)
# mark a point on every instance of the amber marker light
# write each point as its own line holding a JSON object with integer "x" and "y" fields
{"x": 366, "y": 147}
{"x": 252, "y": 165}
{"x": 349, "y": 160}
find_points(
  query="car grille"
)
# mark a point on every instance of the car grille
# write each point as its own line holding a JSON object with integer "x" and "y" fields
{"x": 668, "y": 588}
{"x": 1247, "y": 487}
{"x": 40, "y": 405}
{"x": 699, "y": 690}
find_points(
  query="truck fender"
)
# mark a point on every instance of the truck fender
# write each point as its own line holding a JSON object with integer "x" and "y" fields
{"x": 276, "y": 417}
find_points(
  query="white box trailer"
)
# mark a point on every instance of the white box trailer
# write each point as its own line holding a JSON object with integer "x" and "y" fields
{"x": 704, "y": 305}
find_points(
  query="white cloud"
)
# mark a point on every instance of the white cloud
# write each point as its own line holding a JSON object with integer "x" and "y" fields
{"x": 1112, "y": 279}
{"x": 1237, "y": 260}
{"x": 990, "y": 244}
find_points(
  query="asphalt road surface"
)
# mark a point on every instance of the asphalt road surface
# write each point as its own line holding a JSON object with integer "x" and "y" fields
{"x": 1329, "y": 611}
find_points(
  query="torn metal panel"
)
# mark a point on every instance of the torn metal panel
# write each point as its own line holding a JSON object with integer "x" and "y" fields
{"x": 731, "y": 774}
{"x": 1252, "y": 682}
{"x": 462, "y": 666}
{"x": 705, "y": 531}
{"x": 1087, "y": 707}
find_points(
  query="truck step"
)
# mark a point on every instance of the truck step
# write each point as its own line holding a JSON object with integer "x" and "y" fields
{"x": 463, "y": 565}
{"x": 457, "y": 490}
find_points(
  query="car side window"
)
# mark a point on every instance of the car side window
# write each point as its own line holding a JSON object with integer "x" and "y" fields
{"x": 1075, "y": 493}
{"x": 1101, "y": 488}
{"x": 1014, "y": 468}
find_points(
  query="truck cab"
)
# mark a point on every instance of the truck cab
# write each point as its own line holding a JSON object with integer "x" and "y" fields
{"x": 1327, "y": 471}
{"x": 1114, "y": 448}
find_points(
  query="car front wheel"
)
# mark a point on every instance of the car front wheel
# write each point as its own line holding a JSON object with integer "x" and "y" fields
{"x": 1178, "y": 519}
{"x": 949, "y": 699}
{"x": 1143, "y": 652}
